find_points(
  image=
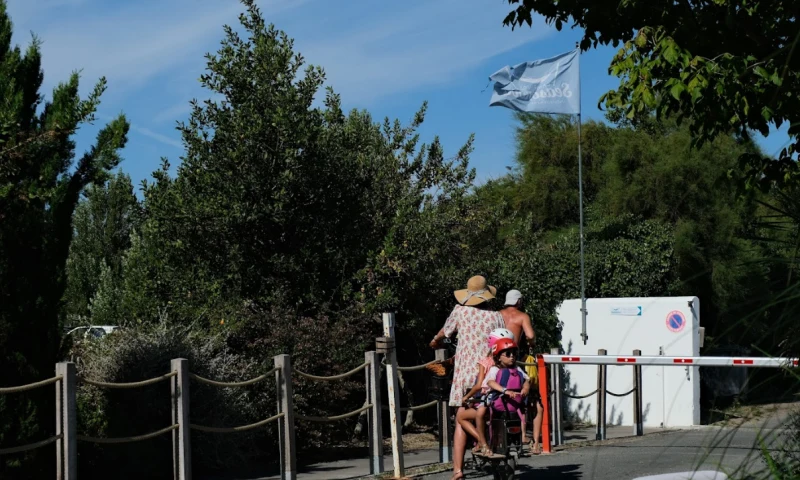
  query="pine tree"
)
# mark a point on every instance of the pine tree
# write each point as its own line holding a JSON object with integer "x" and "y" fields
{"x": 39, "y": 189}
{"x": 102, "y": 224}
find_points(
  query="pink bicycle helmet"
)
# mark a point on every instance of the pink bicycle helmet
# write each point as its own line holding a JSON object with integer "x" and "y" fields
{"x": 499, "y": 333}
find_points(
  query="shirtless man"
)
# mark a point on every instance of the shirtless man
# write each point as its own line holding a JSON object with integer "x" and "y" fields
{"x": 518, "y": 322}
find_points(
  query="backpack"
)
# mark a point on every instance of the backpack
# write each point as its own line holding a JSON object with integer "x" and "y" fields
{"x": 511, "y": 379}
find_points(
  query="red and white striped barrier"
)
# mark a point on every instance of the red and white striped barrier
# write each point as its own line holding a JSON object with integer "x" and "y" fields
{"x": 778, "y": 362}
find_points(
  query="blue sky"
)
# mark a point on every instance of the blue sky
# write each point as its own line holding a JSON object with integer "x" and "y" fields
{"x": 384, "y": 56}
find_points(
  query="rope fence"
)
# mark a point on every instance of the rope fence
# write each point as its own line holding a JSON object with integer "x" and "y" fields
{"x": 334, "y": 377}
{"x": 178, "y": 376}
{"x": 242, "y": 428}
{"x": 143, "y": 383}
{"x": 244, "y": 383}
{"x": 30, "y": 446}
{"x": 333, "y": 418}
{"x": 414, "y": 408}
{"x": 30, "y": 386}
{"x": 136, "y": 438}
{"x": 580, "y": 397}
{"x": 621, "y": 394}
{"x": 418, "y": 367}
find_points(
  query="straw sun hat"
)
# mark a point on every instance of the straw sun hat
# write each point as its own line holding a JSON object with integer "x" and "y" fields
{"x": 476, "y": 292}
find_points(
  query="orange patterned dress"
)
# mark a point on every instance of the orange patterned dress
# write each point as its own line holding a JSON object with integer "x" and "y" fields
{"x": 473, "y": 326}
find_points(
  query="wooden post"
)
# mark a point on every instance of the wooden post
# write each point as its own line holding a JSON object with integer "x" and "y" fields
{"x": 394, "y": 397}
{"x": 601, "y": 398}
{"x": 283, "y": 382}
{"x": 558, "y": 405}
{"x": 67, "y": 422}
{"x": 59, "y": 423}
{"x": 543, "y": 391}
{"x": 443, "y": 413}
{"x": 181, "y": 439}
{"x": 374, "y": 423}
{"x": 638, "y": 427}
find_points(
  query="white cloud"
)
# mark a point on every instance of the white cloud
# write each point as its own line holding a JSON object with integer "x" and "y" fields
{"x": 128, "y": 45}
{"x": 421, "y": 46}
{"x": 157, "y": 136}
{"x": 171, "y": 114}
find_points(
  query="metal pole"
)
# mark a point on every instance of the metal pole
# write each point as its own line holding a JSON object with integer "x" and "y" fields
{"x": 394, "y": 397}
{"x": 558, "y": 417}
{"x": 67, "y": 422}
{"x": 545, "y": 394}
{"x": 601, "y": 399}
{"x": 584, "y": 335}
{"x": 443, "y": 413}
{"x": 638, "y": 427}
{"x": 286, "y": 441}
{"x": 553, "y": 414}
{"x": 374, "y": 424}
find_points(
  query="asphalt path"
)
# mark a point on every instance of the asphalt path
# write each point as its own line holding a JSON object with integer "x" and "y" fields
{"x": 733, "y": 449}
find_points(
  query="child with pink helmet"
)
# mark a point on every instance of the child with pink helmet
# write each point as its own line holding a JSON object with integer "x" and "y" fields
{"x": 474, "y": 398}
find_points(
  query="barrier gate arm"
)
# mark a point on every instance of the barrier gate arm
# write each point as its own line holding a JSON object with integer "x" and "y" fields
{"x": 543, "y": 360}
{"x": 765, "y": 362}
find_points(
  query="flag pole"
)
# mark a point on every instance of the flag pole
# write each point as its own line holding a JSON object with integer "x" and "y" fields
{"x": 584, "y": 335}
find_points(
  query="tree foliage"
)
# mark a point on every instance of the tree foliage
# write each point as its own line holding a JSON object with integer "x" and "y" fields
{"x": 728, "y": 66}
{"x": 39, "y": 188}
{"x": 277, "y": 201}
{"x": 103, "y": 224}
{"x": 290, "y": 226}
{"x": 705, "y": 241}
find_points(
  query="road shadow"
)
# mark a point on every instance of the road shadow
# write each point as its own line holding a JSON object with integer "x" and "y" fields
{"x": 556, "y": 472}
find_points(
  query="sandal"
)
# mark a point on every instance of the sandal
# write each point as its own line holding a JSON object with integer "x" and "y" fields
{"x": 457, "y": 475}
{"x": 536, "y": 448}
{"x": 486, "y": 451}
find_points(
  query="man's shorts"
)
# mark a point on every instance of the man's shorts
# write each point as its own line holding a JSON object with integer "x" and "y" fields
{"x": 534, "y": 397}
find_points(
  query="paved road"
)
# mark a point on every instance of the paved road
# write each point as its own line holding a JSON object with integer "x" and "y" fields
{"x": 728, "y": 449}
{"x": 732, "y": 450}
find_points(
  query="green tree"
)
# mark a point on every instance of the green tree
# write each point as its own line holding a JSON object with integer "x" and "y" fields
{"x": 276, "y": 201}
{"x": 103, "y": 223}
{"x": 39, "y": 188}
{"x": 289, "y": 226}
{"x": 651, "y": 171}
{"x": 543, "y": 185}
{"x": 729, "y": 66}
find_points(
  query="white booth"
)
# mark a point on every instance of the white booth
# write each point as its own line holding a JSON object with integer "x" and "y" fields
{"x": 657, "y": 326}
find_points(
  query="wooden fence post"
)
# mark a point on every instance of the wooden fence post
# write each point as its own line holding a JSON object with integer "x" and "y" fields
{"x": 374, "y": 423}
{"x": 443, "y": 413}
{"x": 394, "y": 397}
{"x": 181, "y": 437}
{"x": 283, "y": 381}
{"x": 66, "y": 422}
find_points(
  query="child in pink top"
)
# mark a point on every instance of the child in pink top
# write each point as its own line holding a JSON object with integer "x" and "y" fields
{"x": 473, "y": 401}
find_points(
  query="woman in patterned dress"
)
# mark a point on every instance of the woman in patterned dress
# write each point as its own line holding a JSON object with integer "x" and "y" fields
{"x": 473, "y": 320}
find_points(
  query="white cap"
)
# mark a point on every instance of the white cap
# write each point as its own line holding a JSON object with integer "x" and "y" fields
{"x": 513, "y": 296}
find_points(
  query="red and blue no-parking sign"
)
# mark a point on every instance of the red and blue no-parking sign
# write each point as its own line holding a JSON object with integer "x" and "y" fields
{"x": 676, "y": 321}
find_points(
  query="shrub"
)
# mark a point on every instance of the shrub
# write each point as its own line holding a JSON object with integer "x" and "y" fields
{"x": 321, "y": 346}
{"x": 133, "y": 355}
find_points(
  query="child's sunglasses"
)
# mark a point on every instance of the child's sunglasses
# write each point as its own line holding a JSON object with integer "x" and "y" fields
{"x": 511, "y": 352}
